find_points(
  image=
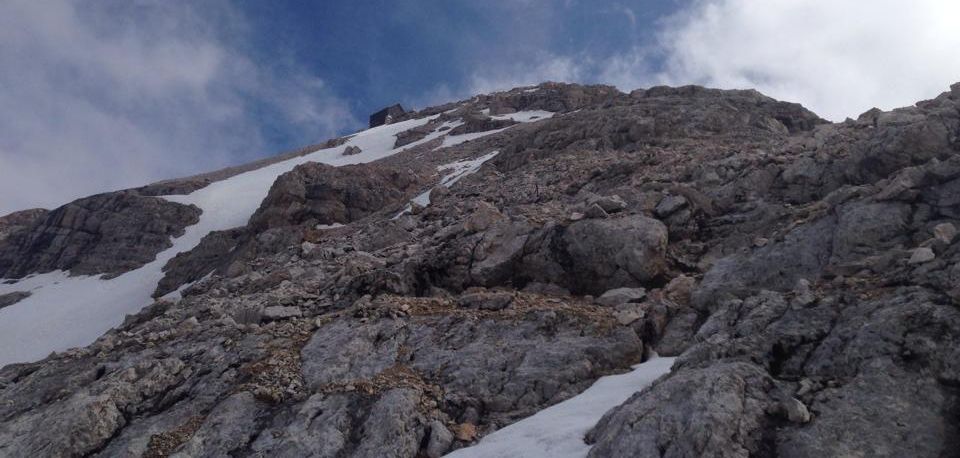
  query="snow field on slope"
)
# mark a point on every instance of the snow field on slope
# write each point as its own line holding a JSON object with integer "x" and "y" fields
{"x": 558, "y": 431}
{"x": 66, "y": 311}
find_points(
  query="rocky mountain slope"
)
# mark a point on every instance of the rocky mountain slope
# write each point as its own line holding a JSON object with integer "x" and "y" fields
{"x": 409, "y": 290}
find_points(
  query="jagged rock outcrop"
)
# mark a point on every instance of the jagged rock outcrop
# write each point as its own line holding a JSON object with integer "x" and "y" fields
{"x": 103, "y": 234}
{"x": 322, "y": 194}
{"x": 804, "y": 274}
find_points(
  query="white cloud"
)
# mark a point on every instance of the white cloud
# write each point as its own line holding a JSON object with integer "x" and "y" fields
{"x": 105, "y": 95}
{"x": 837, "y": 57}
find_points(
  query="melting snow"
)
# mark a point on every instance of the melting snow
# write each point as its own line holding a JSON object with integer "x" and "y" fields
{"x": 526, "y": 116}
{"x": 459, "y": 169}
{"x": 453, "y": 140}
{"x": 558, "y": 431}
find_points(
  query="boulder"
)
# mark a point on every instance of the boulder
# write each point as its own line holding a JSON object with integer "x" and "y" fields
{"x": 611, "y": 204}
{"x": 945, "y": 232}
{"x": 603, "y": 254}
{"x": 439, "y": 441}
{"x": 720, "y": 409}
{"x": 281, "y": 312}
{"x": 669, "y": 205}
{"x": 482, "y": 218}
{"x": 619, "y": 296}
{"x": 921, "y": 255}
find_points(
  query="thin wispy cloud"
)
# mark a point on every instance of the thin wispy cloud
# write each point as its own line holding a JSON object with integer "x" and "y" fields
{"x": 105, "y": 95}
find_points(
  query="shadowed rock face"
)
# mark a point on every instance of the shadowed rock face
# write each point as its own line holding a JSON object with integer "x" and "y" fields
{"x": 103, "y": 234}
{"x": 804, "y": 274}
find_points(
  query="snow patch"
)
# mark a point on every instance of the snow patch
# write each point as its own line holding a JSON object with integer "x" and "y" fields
{"x": 526, "y": 116}
{"x": 459, "y": 169}
{"x": 520, "y": 116}
{"x": 453, "y": 140}
{"x": 558, "y": 431}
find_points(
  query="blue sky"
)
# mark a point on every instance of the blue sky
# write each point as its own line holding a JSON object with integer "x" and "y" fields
{"x": 374, "y": 53}
{"x": 107, "y": 94}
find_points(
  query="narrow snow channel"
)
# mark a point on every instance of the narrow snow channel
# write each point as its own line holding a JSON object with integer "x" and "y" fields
{"x": 558, "y": 431}
{"x": 458, "y": 169}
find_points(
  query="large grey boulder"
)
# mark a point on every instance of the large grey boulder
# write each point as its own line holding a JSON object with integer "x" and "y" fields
{"x": 440, "y": 440}
{"x": 717, "y": 411}
{"x": 619, "y": 296}
{"x": 611, "y": 253}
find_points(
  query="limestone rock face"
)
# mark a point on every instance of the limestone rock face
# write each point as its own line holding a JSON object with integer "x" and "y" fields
{"x": 324, "y": 194}
{"x": 103, "y": 234}
{"x": 610, "y": 253}
{"x": 804, "y": 274}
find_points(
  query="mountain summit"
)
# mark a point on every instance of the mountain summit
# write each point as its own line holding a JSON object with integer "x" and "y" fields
{"x": 557, "y": 270}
